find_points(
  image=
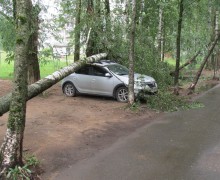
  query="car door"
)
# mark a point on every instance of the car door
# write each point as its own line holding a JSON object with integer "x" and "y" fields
{"x": 101, "y": 84}
{"x": 82, "y": 79}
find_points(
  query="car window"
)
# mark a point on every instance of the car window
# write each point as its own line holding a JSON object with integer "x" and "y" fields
{"x": 84, "y": 70}
{"x": 118, "y": 69}
{"x": 98, "y": 71}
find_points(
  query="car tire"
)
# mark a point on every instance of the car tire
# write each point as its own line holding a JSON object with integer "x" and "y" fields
{"x": 122, "y": 94}
{"x": 69, "y": 89}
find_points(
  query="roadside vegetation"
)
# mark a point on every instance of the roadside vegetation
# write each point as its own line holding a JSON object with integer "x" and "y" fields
{"x": 28, "y": 171}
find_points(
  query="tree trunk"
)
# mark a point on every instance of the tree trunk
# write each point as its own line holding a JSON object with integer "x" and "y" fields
{"x": 217, "y": 47}
{"x": 77, "y": 32}
{"x": 212, "y": 26}
{"x": 161, "y": 34}
{"x": 107, "y": 8}
{"x": 127, "y": 12}
{"x": 178, "y": 44}
{"x": 33, "y": 62}
{"x": 131, "y": 55}
{"x": 12, "y": 147}
{"x": 186, "y": 63}
{"x": 107, "y": 17}
{"x": 127, "y": 15}
{"x": 211, "y": 48}
{"x": 91, "y": 44}
{"x": 47, "y": 82}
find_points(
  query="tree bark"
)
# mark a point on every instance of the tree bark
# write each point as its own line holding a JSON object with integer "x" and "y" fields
{"x": 131, "y": 55}
{"x": 91, "y": 44}
{"x": 107, "y": 16}
{"x": 12, "y": 147}
{"x": 47, "y": 82}
{"x": 178, "y": 44}
{"x": 210, "y": 50}
{"x": 33, "y": 62}
{"x": 212, "y": 25}
{"x": 186, "y": 63}
{"x": 107, "y": 8}
{"x": 77, "y": 32}
{"x": 161, "y": 34}
{"x": 215, "y": 65}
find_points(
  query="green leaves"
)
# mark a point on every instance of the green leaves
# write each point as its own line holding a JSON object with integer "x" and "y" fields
{"x": 19, "y": 173}
{"x": 166, "y": 101}
{"x": 23, "y": 172}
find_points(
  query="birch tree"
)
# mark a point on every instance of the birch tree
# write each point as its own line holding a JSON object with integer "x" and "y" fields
{"x": 9, "y": 38}
{"x": 131, "y": 54}
{"x": 45, "y": 83}
{"x": 161, "y": 33}
{"x": 12, "y": 147}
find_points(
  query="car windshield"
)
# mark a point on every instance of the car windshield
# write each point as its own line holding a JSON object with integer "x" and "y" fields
{"x": 118, "y": 69}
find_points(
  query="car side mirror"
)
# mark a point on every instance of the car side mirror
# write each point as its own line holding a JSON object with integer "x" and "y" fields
{"x": 108, "y": 75}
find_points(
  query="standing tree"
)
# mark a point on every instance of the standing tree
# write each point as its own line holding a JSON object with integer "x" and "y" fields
{"x": 178, "y": 44}
{"x": 161, "y": 33}
{"x": 77, "y": 31}
{"x": 12, "y": 147}
{"x": 107, "y": 15}
{"x": 131, "y": 54}
{"x": 91, "y": 44}
{"x": 8, "y": 31}
{"x": 33, "y": 62}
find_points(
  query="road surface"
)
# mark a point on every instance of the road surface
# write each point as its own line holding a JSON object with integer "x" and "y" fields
{"x": 184, "y": 145}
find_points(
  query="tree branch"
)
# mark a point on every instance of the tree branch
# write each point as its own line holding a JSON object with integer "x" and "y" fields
{"x": 10, "y": 19}
{"x": 196, "y": 78}
{"x": 172, "y": 73}
{"x": 47, "y": 82}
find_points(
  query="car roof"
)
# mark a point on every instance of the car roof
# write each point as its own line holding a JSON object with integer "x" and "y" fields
{"x": 104, "y": 62}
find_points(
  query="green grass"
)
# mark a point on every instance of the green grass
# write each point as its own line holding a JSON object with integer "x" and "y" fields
{"x": 50, "y": 67}
{"x": 170, "y": 61}
{"x": 6, "y": 70}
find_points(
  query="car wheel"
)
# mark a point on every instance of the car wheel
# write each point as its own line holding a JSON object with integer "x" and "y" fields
{"x": 69, "y": 89}
{"x": 122, "y": 94}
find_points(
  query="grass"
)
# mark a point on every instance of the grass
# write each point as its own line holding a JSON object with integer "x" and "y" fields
{"x": 6, "y": 70}
{"x": 46, "y": 68}
{"x": 50, "y": 67}
{"x": 170, "y": 61}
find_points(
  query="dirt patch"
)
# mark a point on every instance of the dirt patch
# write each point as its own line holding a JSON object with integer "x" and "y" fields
{"x": 61, "y": 131}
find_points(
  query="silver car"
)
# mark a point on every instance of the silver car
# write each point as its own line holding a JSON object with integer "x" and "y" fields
{"x": 106, "y": 78}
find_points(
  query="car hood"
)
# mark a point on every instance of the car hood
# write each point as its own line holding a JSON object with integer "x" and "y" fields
{"x": 137, "y": 78}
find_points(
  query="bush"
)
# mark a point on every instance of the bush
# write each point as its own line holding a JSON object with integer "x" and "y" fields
{"x": 166, "y": 101}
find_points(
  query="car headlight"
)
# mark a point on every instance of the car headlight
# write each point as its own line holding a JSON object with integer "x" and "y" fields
{"x": 144, "y": 84}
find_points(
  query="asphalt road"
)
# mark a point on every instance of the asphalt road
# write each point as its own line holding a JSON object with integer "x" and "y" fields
{"x": 178, "y": 146}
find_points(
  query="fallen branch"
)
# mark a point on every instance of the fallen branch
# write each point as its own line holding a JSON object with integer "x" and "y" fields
{"x": 186, "y": 63}
{"x": 47, "y": 82}
{"x": 199, "y": 72}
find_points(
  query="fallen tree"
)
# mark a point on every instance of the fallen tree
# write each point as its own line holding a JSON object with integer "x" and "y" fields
{"x": 190, "y": 61}
{"x": 47, "y": 82}
{"x": 199, "y": 72}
